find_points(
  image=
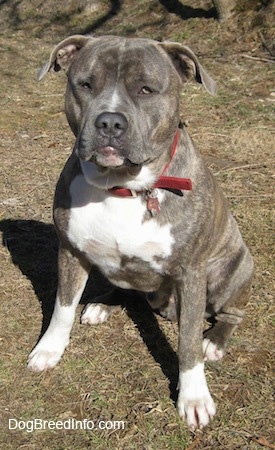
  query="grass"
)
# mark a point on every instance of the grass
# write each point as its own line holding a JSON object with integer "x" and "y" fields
{"x": 126, "y": 369}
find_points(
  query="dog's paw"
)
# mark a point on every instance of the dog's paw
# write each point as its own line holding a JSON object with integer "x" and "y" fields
{"x": 166, "y": 308}
{"x": 47, "y": 352}
{"x": 40, "y": 359}
{"x": 95, "y": 313}
{"x": 169, "y": 311}
{"x": 197, "y": 412}
{"x": 211, "y": 352}
{"x": 195, "y": 404}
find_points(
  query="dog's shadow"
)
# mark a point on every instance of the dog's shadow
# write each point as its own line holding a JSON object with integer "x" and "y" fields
{"x": 33, "y": 247}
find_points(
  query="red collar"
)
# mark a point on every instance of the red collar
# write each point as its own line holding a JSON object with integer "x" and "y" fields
{"x": 174, "y": 184}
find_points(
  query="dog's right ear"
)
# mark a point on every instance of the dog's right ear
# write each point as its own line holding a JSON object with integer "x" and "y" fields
{"x": 63, "y": 54}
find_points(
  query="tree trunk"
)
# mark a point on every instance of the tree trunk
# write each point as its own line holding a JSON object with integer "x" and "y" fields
{"x": 224, "y": 8}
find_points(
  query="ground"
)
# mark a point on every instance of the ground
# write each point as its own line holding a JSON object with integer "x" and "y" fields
{"x": 126, "y": 369}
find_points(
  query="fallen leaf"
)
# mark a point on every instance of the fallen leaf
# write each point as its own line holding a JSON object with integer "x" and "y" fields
{"x": 194, "y": 444}
{"x": 263, "y": 441}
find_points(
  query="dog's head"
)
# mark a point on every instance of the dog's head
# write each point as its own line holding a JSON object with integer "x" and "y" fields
{"x": 122, "y": 99}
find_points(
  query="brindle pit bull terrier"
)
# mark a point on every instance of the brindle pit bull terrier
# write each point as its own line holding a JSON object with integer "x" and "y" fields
{"x": 136, "y": 200}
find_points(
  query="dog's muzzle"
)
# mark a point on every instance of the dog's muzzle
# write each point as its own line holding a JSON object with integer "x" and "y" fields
{"x": 110, "y": 129}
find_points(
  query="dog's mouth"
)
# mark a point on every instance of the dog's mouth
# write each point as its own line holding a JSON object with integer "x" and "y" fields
{"x": 107, "y": 157}
{"x": 110, "y": 158}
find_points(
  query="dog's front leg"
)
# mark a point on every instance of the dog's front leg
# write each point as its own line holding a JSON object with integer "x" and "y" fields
{"x": 72, "y": 278}
{"x": 194, "y": 404}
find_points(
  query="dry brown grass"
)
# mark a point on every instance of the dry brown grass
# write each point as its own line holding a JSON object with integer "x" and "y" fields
{"x": 126, "y": 369}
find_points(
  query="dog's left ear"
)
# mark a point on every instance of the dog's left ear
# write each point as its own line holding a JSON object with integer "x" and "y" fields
{"x": 63, "y": 54}
{"x": 187, "y": 65}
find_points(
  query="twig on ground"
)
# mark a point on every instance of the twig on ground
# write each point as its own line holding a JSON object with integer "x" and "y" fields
{"x": 251, "y": 196}
{"x": 256, "y": 58}
{"x": 242, "y": 167}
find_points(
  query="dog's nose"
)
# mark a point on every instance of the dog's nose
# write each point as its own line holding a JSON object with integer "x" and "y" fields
{"x": 111, "y": 124}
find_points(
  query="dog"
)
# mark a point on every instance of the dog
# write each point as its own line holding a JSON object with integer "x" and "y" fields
{"x": 136, "y": 200}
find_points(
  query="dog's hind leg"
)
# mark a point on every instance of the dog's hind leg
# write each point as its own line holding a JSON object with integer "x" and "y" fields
{"x": 163, "y": 302}
{"x": 226, "y": 303}
{"x": 102, "y": 307}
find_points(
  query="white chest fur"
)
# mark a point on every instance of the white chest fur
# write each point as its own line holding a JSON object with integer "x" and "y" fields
{"x": 108, "y": 228}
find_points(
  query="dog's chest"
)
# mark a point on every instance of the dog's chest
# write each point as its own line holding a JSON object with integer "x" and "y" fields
{"x": 112, "y": 233}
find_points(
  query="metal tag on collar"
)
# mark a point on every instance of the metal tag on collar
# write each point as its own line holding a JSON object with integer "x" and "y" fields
{"x": 153, "y": 205}
{"x": 133, "y": 193}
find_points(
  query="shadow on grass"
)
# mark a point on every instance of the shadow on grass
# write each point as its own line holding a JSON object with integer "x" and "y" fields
{"x": 115, "y": 6}
{"x": 33, "y": 247}
{"x": 172, "y": 6}
{"x": 65, "y": 16}
{"x": 145, "y": 320}
{"x": 187, "y": 12}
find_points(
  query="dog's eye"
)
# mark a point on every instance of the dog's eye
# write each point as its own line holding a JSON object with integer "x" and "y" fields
{"x": 145, "y": 91}
{"x": 86, "y": 85}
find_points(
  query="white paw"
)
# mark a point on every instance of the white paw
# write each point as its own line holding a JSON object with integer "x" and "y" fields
{"x": 211, "y": 351}
{"x": 40, "y": 360}
{"x": 95, "y": 313}
{"x": 48, "y": 351}
{"x": 195, "y": 404}
{"x": 197, "y": 412}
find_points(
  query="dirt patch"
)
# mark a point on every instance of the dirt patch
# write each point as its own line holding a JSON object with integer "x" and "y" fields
{"x": 126, "y": 369}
